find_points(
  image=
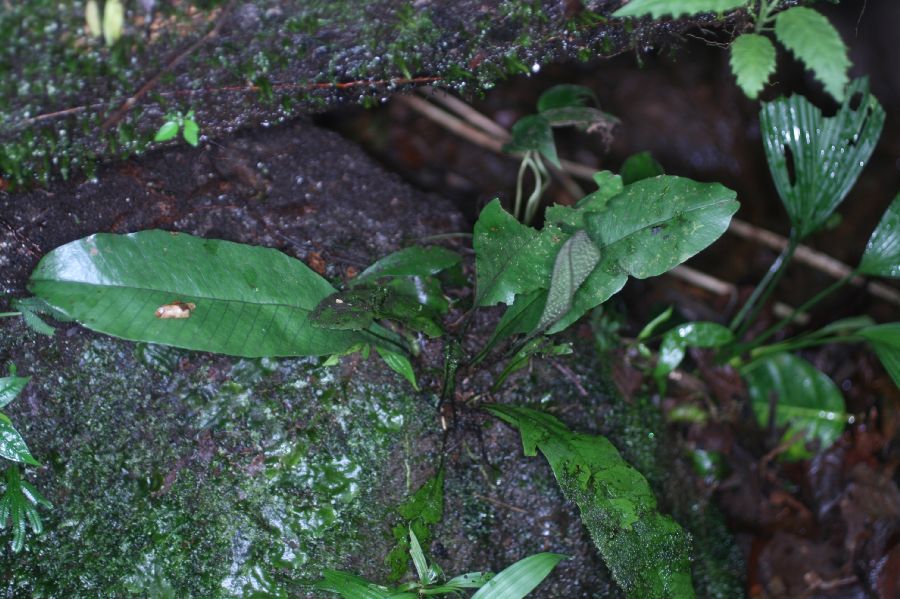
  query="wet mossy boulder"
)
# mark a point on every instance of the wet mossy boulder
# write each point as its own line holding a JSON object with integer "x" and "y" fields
{"x": 68, "y": 99}
{"x": 182, "y": 474}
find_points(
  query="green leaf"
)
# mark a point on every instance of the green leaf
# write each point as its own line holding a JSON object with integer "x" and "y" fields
{"x": 575, "y": 261}
{"x": 413, "y": 261}
{"x": 826, "y": 154}
{"x": 10, "y": 387}
{"x": 538, "y": 346}
{"x": 885, "y": 339}
{"x": 651, "y": 326}
{"x": 882, "y": 255}
{"x": 648, "y": 229}
{"x": 399, "y": 364}
{"x": 640, "y": 166}
{"x": 30, "y": 307}
{"x": 521, "y": 317}
{"x": 659, "y": 8}
{"x": 519, "y": 579}
{"x": 248, "y": 301}
{"x": 564, "y": 96}
{"x": 18, "y": 506}
{"x": 511, "y": 258}
{"x": 418, "y": 558}
{"x": 815, "y": 41}
{"x": 693, "y": 334}
{"x": 808, "y": 402}
{"x": 191, "y": 132}
{"x": 12, "y": 445}
{"x": 470, "y": 580}
{"x": 533, "y": 134}
{"x": 656, "y": 224}
{"x": 350, "y": 586}
{"x": 420, "y": 512}
{"x": 351, "y": 310}
{"x": 168, "y": 131}
{"x": 568, "y": 218}
{"x": 752, "y": 62}
{"x": 647, "y": 552}
{"x": 424, "y": 290}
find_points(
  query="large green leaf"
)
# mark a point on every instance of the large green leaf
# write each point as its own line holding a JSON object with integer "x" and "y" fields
{"x": 248, "y": 301}
{"x": 656, "y": 224}
{"x": 511, "y": 258}
{"x": 350, "y": 586}
{"x": 659, "y": 8}
{"x": 646, "y": 551}
{"x": 807, "y": 401}
{"x": 815, "y": 41}
{"x": 885, "y": 339}
{"x": 412, "y": 261}
{"x": 519, "y": 579}
{"x": 752, "y": 62}
{"x": 826, "y": 155}
{"x": 882, "y": 255}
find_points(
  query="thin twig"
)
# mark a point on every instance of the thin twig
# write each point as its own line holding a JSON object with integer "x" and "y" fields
{"x": 499, "y": 503}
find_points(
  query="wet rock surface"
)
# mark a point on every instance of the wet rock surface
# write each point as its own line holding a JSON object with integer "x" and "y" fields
{"x": 177, "y": 474}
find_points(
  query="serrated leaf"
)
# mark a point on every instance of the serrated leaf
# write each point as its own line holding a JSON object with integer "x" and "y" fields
{"x": 659, "y": 8}
{"x": 412, "y": 261}
{"x": 10, "y": 387}
{"x": 885, "y": 339}
{"x": 519, "y": 579}
{"x": 647, "y": 552}
{"x": 248, "y": 301}
{"x": 565, "y": 95}
{"x": 752, "y": 62}
{"x": 807, "y": 401}
{"x": 18, "y": 506}
{"x": 168, "y": 131}
{"x": 511, "y": 258}
{"x": 815, "y": 41}
{"x": 826, "y": 154}
{"x": 191, "y": 132}
{"x": 12, "y": 445}
{"x": 882, "y": 255}
{"x": 399, "y": 364}
{"x": 575, "y": 261}
{"x": 640, "y": 166}
{"x": 692, "y": 334}
{"x": 533, "y": 133}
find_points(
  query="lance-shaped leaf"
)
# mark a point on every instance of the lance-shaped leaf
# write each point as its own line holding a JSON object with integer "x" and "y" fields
{"x": 815, "y": 41}
{"x": 882, "y": 255}
{"x": 350, "y": 586}
{"x": 575, "y": 261}
{"x": 646, "y": 551}
{"x": 399, "y": 364}
{"x": 521, "y": 317}
{"x": 185, "y": 291}
{"x": 885, "y": 339}
{"x": 806, "y": 401}
{"x": 11, "y": 386}
{"x": 511, "y": 258}
{"x": 752, "y": 62}
{"x": 519, "y": 579}
{"x": 413, "y": 261}
{"x": 18, "y": 506}
{"x": 660, "y": 8}
{"x": 815, "y": 160}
